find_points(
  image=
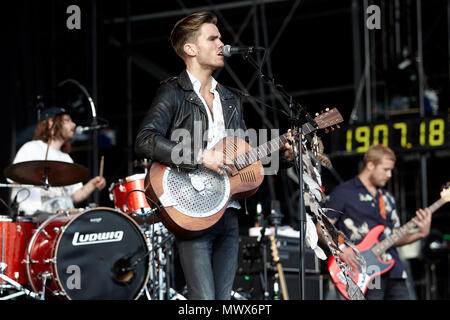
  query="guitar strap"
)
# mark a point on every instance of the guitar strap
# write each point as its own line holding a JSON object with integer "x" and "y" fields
{"x": 314, "y": 196}
{"x": 382, "y": 205}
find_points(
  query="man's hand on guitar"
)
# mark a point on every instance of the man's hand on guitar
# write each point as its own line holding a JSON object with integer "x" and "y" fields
{"x": 349, "y": 257}
{"x": 423, "y": 221}
{"x": 214, "y": 160}
{"x": 288, "y": 151}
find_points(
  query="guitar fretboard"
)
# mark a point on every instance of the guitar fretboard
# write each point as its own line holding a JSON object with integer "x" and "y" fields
{"x": 402, "y": 231}
{"x": 260, "y": 152}
{"x": 244, "y": 160}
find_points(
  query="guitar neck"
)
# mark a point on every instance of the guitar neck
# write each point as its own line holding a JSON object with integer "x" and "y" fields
{"x": 276, "y": 259}
{"x": 244, "y": 160}
{"x": 402, "y": 231}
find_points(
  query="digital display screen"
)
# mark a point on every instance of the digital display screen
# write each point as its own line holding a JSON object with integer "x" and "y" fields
{"x": 399, "y": 135}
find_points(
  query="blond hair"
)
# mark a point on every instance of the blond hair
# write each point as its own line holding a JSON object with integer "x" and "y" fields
{"x": 376, "y": 153}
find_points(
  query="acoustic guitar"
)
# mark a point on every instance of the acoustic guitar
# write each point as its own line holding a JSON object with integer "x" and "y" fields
{"x": 191, "y": 202}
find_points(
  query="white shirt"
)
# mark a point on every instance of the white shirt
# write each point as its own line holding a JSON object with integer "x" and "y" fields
{"x": 37, "y": 198}
{"x": 216, "y": 122}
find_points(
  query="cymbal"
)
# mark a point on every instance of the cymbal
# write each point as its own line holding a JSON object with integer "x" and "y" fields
{"x": 59, "y": 173}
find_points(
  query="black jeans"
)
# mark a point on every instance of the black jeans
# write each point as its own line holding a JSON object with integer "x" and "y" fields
{"x": 390, "y": 289}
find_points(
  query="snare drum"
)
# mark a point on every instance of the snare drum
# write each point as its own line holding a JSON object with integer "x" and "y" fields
{"x": 14, "y": 238}
{"x": 128, "y": 194}
{"x": 97, "y": 254}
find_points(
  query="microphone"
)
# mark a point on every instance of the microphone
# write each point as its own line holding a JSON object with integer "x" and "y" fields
{"x": 122, "y": 270}
{"x": 228, "y": 50}
{"x": 81, "y": 129}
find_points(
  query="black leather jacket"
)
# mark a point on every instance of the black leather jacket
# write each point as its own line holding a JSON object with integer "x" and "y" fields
{"x": 177, "y": 106}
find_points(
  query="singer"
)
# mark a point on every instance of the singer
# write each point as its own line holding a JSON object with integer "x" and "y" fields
{"x": 51, "y": 141}
{"x": 209, "y": 262}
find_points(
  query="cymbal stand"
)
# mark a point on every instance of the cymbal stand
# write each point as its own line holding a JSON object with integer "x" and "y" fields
{"x": 45, "y": 178}
{"x": 157, "y": 260}
{"x": 161, "y": 262}
{"x": 165, "y": 242}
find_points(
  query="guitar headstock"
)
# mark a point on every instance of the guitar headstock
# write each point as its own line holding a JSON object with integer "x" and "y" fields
{"x": 445, "y": 192}
{"x": 328, "y": 119}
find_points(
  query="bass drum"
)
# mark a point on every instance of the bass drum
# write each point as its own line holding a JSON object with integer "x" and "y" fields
{"x": 98, "y": 254}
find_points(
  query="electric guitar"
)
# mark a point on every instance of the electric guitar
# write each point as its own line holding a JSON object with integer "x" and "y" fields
{"x": 191, "y": 202}
{"x": 371, "y": 249}
{"x": 280, "y": 271}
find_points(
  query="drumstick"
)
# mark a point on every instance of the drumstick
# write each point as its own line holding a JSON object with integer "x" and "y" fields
{"x": 102, "y": 161}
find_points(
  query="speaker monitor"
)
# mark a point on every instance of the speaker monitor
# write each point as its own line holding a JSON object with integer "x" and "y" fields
{"x": 250, "y": 277}
{"x": 251, "y": 287}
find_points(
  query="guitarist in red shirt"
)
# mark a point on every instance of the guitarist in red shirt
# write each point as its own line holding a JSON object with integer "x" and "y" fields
{"x": 361, "y": 204}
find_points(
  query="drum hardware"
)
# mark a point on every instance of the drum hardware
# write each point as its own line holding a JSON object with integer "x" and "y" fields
{"x": 175, "y": 295}
{"x": 52, "y": 260}
{"x": 44, "y": 180}
{"x": 142, "y": 164}
{"x": 45, "y": 233}
{"x": 17, "y": 185}
{"x": 21, "y": 290}
{"x": 44, "y": 276}
{"x": 160, "y": 243}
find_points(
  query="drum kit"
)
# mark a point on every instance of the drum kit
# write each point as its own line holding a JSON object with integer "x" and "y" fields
{"x": 95, "y": 253}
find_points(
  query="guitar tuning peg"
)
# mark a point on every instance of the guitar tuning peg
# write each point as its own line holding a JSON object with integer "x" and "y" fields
{"x": 317, "y": 114}
{"x": 327, "y": 109}
{"x": 326, "y": 130}
{"x": 332, "y": 128}
{"x": 338, "y": 126}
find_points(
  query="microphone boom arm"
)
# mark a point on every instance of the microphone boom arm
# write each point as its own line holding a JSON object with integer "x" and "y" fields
{"x": 83, "y": 89}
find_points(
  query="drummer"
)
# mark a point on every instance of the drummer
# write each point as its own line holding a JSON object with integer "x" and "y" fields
{"x": 51, "y": 141}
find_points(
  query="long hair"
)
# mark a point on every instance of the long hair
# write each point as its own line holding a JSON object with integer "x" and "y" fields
{"x": 186, "y": 30}
{"x": 47, "y": 130}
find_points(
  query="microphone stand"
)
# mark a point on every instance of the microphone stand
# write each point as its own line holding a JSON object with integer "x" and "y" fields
{"x": 262, "y": 243}
{"x": 93, "y": 123}
{"x": 300, "y": 118}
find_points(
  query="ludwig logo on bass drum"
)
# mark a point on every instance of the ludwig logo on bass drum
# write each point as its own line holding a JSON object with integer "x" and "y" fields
{"x": 94, "y": 238}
